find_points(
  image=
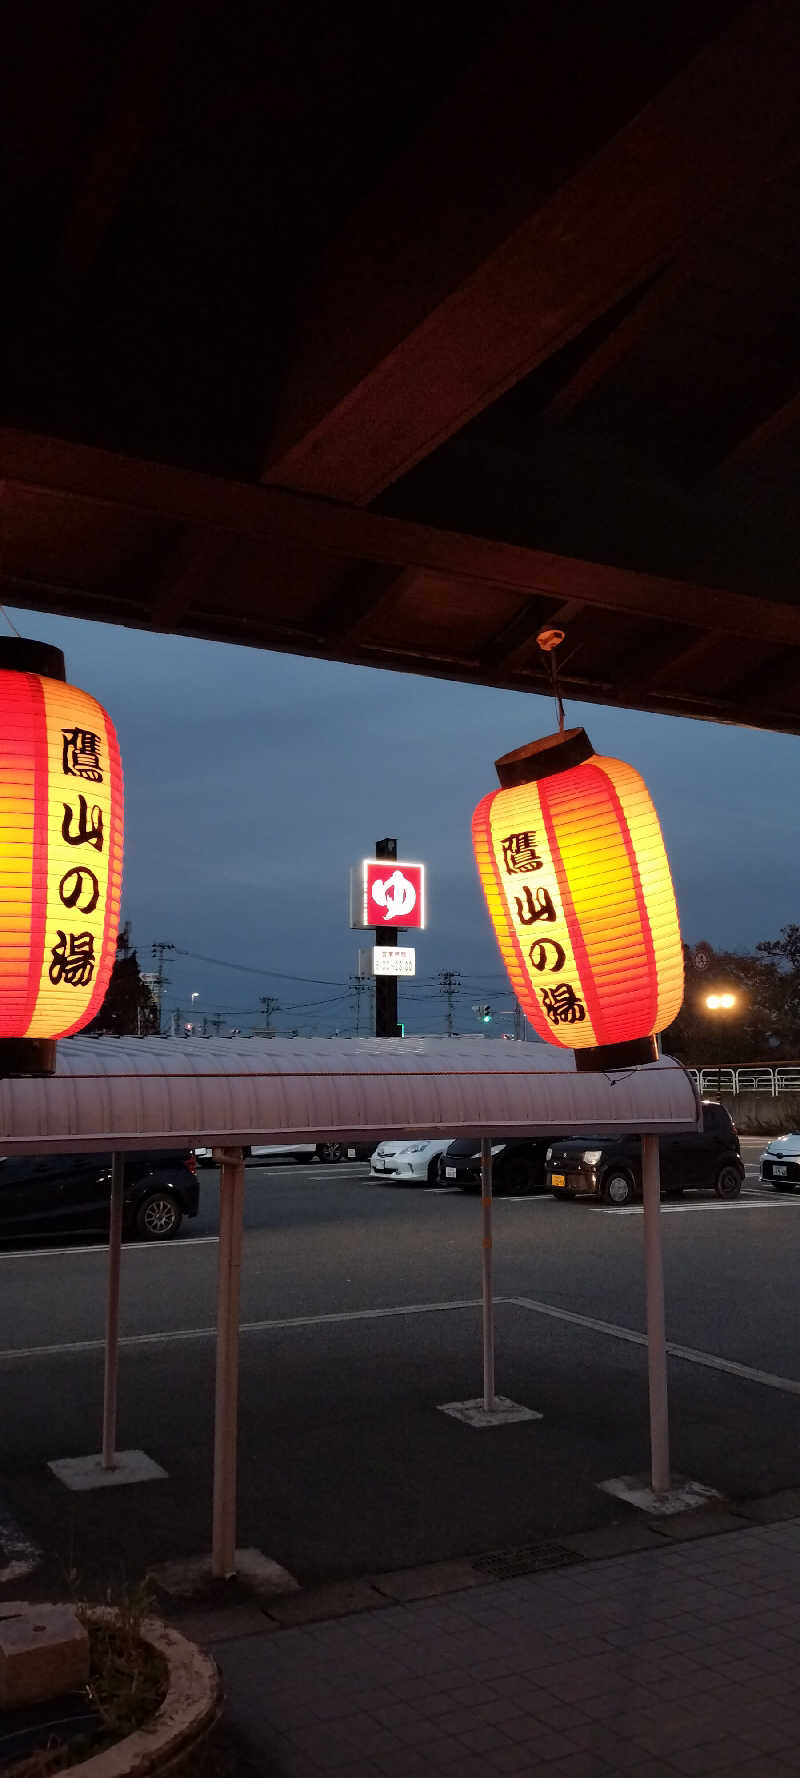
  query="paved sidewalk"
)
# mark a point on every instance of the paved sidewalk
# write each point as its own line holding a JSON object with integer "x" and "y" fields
{"x": 674, "y": 1662}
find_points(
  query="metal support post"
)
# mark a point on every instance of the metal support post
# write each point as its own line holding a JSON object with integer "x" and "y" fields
{"x": 226, "y": 1411}
{"x": 656, "y": 1333}
{"x": 112, "y": 1312}
{"x": 386, "y": 985}
{"x": 488, "y": 1298}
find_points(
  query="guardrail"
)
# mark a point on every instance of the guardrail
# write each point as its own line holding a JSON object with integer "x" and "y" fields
{"x": 783, "y": 1077}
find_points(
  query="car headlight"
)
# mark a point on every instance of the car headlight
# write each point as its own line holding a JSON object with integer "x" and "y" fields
{"x": 591, "y": 1156}
{"x": 415, "y": 1148}
{"x": 549, "y": 1155}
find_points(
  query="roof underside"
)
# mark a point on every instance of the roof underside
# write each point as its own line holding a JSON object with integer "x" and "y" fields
{"x": 117, "y": 1093}
{"x": 395, "y": 354}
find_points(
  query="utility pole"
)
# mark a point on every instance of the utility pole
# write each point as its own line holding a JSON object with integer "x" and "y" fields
{"x": 270, "y": 1005}
{"x": 162, "y": 980}
{"x": 449, "y": 986}
{"x": 357, "y": 986}
{"x": 386, "y": 985}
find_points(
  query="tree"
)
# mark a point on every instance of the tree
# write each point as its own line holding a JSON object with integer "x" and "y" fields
{"x": 129, "y": 1008}
{"x": 785, "y": 950}
{"x": 763, "y": 1025}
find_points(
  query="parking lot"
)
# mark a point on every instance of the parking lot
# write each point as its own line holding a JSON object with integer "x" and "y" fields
{"x": 360, "y": 1319}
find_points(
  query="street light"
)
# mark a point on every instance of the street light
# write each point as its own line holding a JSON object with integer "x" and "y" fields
{"x": 720, "y": 1002}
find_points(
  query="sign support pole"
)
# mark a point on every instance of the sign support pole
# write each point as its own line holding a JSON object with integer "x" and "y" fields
{"x": 386, "y": 985}
{"x": 111, "y": 1377}
{"x": 656, "y": 1332}
{"x": 487, "y": 1279}
{"x": 226, "y": 1411}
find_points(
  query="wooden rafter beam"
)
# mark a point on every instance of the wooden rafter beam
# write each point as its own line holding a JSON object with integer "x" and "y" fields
{"x": 654, "y": 172}
{"x": 361, "y": 590}
{"x": 196, "y": 560}
{"x": 773, "y": 426}
{"x": 262, "y": 515}
{"x": 656, "y": 297}
{"x": 706, "y": 653}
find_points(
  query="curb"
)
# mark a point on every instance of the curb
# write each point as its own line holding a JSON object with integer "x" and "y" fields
{"x": 190, "y": 1709}
{"x": 221, "y": 1622}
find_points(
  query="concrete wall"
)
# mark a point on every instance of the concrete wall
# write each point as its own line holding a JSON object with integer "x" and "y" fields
{"x": 756, "y": 1114}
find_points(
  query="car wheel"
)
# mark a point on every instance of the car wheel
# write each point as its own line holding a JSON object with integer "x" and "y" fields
{"x": 158, "y": 1217}
{"x": 330, "y": 1151}
{"x": 618, "y": 1189}
{"x": 728, "y": 1182}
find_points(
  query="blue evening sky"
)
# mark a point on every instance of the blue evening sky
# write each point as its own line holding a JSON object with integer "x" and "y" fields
{"x": 254, "y": 781}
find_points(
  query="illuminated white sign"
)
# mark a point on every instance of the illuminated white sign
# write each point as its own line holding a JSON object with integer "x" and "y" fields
{"x": 394, "y": 960}
{"x": 387, "y": 960}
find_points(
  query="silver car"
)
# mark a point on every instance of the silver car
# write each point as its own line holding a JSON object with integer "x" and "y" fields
{"x": 780, "y": 1163}
{"x": 415, "y": 1162}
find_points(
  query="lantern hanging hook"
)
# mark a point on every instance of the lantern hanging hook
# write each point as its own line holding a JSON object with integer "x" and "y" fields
{"x": 549, "y": 639}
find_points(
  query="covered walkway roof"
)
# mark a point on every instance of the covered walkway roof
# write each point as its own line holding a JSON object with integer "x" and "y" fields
{"x": 127, "y": 1093}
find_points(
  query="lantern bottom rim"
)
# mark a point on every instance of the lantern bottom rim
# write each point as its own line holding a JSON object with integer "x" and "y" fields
{"x": 635, "y": 1053}
{"x": 27, "y": 1055}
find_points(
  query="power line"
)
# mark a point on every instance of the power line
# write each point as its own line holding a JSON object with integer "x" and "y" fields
{"x": 315, "y": 981}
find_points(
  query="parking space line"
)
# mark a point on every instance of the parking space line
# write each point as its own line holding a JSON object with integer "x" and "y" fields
{"x": 709, "y": 1360}
{"x": 750, "y": 1201}
{"x": 278, "y": 1324}
{"x": 101, "y": 1247}
{"x": 173, "y": 1335}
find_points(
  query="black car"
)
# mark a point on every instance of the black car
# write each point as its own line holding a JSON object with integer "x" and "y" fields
{"x": 41, "y": 1194}
{"x": 610, "y": 1167}
{"x": 518, "y": 1165}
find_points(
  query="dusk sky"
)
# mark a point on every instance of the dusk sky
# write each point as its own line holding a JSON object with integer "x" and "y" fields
{"x": 255, "y": 780}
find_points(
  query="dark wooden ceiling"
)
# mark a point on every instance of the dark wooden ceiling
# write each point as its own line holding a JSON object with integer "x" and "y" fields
{"x": 392, "y": 349}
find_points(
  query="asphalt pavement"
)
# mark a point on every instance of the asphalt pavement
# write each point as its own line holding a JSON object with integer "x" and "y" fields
{"x": 360, "y": 1320}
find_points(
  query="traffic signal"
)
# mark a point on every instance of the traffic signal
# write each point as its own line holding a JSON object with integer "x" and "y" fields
{"x": 486, "y": 1015}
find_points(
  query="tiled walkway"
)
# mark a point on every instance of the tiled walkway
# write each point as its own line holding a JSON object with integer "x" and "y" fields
{"x": 671, "y": 1662}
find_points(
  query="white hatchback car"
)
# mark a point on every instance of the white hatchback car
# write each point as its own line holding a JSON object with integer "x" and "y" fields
{"x": 415, "y": 1163}
{"x": 780, "y": 1163}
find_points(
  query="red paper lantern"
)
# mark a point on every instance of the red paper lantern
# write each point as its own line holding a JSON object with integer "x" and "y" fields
{"x": 61, "y": 825}
{"x": 578, "y": 886}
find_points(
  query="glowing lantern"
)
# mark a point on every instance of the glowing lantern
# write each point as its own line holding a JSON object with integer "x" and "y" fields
{"x": 60, "y": 854}
{"x": 578, "y": 885}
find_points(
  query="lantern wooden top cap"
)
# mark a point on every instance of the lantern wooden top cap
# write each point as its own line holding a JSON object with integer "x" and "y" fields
{"x": 18, "y": 654}
{"x": 543, "y": 759}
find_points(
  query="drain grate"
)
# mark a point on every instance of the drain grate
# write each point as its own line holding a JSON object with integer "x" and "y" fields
{"x": 528, "y": 1558}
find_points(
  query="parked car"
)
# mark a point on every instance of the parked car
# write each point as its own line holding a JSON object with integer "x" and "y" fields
{"x": 40, "y": 1194}
{"x": 302, "y": 1152}
{"x": 517, "y": 1165}
{"x": 610, "y": 1167}
{"x": 780, "y": 1164}
{"x": 415, "y": 1163}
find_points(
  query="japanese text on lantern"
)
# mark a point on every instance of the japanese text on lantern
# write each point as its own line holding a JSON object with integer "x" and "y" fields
{"x": 73, "y": 959}
{"x": 530, "y": 888}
